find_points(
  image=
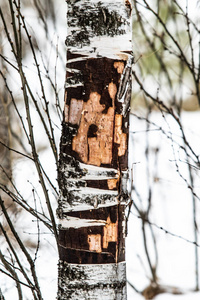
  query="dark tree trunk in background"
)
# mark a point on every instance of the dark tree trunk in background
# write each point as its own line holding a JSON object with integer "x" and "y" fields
{"x": 93, "y": 168}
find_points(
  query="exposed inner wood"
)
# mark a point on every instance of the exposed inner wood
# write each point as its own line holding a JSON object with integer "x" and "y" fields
{"x": 75, "y": 111}
{"x": 94, "y": 140}
{"x": 110, "y": 232}
{"x": 96, "y": 148}
{"x": 66, "y": 110}
{"x": 119, "y": 66}
{"x": 120, "y": 137}
{"x": 112, "y": 183}
{"x": 94, "y": 241}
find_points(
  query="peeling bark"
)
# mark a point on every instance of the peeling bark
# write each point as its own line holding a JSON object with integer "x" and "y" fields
{"x": 93, "y": 167}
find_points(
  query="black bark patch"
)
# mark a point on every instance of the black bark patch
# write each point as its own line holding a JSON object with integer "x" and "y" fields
{"x": 85, "y": 257}
{"x": 97, "y": 214}
{"x": 92, "y": 131}
{"x": 95, "y": 75}
{"x": 71, "y": 55}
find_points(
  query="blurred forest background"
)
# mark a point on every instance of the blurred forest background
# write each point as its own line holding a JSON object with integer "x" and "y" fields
{"x": 163, "y": 213}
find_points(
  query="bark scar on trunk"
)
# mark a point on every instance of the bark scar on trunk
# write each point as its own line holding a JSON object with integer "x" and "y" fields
{"x": 97, "y": 116}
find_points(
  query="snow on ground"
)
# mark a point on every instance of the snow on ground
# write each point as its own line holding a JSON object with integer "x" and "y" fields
{"x": 171, "y": 208}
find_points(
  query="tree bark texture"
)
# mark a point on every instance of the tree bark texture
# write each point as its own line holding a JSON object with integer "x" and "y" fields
{"x": 93, "y": 167}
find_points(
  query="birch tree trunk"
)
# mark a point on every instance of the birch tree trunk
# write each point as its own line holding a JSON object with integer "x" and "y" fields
{"x": 93, "y": 167}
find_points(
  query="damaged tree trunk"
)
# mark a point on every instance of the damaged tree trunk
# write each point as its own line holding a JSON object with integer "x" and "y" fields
{"x": 93, "y": 167}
